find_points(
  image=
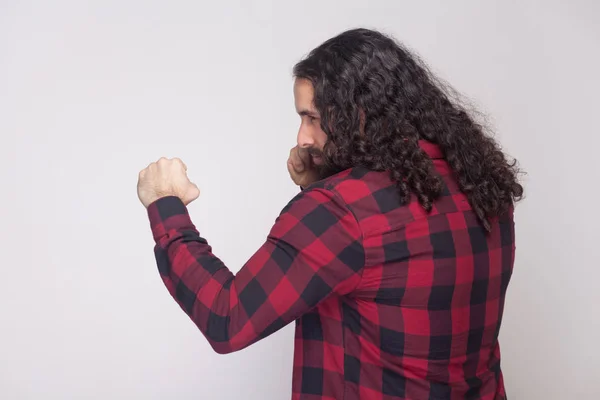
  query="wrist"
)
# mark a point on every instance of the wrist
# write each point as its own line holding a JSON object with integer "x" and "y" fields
{"x": 159, "y": 196}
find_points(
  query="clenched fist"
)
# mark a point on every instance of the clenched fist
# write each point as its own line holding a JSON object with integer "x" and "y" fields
{"x": 166, "y": 177}
{"x": 301, "y": 167}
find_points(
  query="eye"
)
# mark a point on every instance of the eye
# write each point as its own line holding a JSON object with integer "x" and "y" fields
{"x": 311, "y": 119}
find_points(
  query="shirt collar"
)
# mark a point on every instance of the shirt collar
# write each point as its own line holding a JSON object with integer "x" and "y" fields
{"x": 433, "y": 150}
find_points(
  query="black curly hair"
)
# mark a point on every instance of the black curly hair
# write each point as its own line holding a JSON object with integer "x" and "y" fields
{"x": 377, "y": 100}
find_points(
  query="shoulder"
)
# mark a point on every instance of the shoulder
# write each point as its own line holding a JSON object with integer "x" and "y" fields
{"x": 353, "y": 184}
{"x": 359, "y": 189}
{"x": 316, "y": 201}
{"x": 329, "y": 201}
{"x": 339, "y": 190}
{"x": 318, "y": 212}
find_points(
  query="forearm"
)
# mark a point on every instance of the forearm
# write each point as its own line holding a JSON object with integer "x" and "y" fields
{"x": 200, "y": 283}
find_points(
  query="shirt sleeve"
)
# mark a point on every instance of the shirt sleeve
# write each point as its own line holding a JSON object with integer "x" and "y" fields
{"x": 313, "y": 250}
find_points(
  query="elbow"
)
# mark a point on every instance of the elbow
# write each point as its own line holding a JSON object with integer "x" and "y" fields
{"x": 222, "y": 339}
{"x": 221, "y": 348}
{"x": 225, "y": 347}
{"x": 218, "y": 335}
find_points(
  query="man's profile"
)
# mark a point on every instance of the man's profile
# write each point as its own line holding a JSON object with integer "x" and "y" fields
{"x": 394, "y": 258}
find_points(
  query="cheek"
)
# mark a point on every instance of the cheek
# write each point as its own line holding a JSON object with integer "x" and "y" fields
{"x": 320, "y": 137}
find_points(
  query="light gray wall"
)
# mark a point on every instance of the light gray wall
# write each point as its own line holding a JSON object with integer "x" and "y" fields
{"x": 91, "y": 92}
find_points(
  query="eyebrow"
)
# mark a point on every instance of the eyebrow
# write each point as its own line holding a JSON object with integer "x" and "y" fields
{"x": 308, "y": 113}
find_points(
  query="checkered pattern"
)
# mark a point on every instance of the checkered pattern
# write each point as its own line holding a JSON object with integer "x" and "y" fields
{"x": 389, "y": 302}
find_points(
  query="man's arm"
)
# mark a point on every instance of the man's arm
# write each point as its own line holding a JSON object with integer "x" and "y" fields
{"x": 313, "y": 250}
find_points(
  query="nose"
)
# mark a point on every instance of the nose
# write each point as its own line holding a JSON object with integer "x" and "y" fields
{"x": 305, "y": 138}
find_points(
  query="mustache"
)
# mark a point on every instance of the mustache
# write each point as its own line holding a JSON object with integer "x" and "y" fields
{"x": 326, "y": 169}
{"x": 315, "y": 152}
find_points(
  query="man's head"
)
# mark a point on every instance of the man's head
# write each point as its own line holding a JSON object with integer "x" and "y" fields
{"x": 365, "y": 100}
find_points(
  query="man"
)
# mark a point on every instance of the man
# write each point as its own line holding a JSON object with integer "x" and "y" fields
{"x": 394, "y": 258}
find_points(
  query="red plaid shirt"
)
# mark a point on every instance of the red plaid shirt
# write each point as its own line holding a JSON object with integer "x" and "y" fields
{"x": 389, "y": 302}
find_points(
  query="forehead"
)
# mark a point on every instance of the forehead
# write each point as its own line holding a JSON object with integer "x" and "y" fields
{"x": 303, "y": 93}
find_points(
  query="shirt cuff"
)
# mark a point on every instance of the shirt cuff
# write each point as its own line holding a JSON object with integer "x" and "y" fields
{"x": 167, "y": 216}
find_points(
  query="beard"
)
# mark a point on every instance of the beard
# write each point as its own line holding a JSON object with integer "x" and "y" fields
{"x": 324, "y": 167}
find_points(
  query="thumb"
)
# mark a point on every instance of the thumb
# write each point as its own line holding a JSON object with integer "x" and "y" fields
{"x": 192, "y": 193}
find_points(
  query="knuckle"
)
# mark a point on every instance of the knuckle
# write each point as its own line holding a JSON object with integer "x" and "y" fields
{"x": 178, "y": 161}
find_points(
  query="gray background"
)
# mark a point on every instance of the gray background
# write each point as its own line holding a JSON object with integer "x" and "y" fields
{"x": 91, "y": 92}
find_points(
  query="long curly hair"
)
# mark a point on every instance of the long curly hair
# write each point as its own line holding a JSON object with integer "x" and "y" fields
{"x": 377, "y": 100}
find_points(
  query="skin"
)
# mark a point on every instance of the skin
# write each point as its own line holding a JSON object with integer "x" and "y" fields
{"x": 168, "y": 177}
{"x": 305, "y": 158}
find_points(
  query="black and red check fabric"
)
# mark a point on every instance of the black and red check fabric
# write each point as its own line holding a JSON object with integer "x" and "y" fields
{"x": 389, "y": 302}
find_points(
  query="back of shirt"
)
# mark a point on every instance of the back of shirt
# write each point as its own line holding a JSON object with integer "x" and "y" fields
{"x": 390, "y": 302}
{"x": 430, "y": 301}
